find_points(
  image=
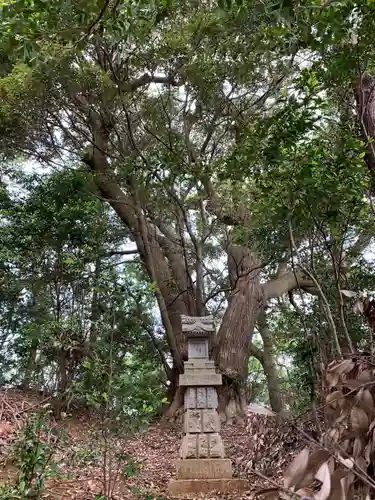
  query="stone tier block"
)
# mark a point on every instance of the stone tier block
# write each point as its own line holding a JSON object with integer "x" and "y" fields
{"x": 199, "y": 364}
{"x": 200, "y": 378}
{"x": 196, "y": 421}
{"x": 200, "y": 397}
{"x": 204, "y": 469}
{"x": 202, "y": 446}
{"x": 182, "y": 487}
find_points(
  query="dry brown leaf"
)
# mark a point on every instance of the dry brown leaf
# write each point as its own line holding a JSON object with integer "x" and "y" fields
{"x": 295, "y": 472}
{"x": 358, "y": 307}
{"x": 372, "y": 426}
{"x": 368, "y": 450}
{"x": 331, "y": 465}
{"x": 348, "y": 293}
{"x": 358, "y": 447}
{"x": 332, "y": 379}
{"x": 333, "y": 398}
{"x": 353, "y": 383}
{"x": 339, "y": 485}
{"x": 359, "y": 420}
{"x": 344, "y": 414}
{"x": 345, "y": 445}
{"x": 323, "y": 474}
{"x": 315, "y": 461}
{"x": 361, "y": 463}
{"x": 344, "y": 366}
{"x": 334, "y": 434}
{"x": 366, "y": 401}
{"x": 365, "y": 376}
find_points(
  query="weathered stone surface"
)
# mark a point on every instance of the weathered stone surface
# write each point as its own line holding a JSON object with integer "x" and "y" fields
{"x": 190, "y": 398}
{"x": 211, "y": 421}
{"x": 198, "y": 348}
{"x": 204, "y": 468}
{"x": 199, "y": 364}
{"x": 201, "y": 324}
{"x": 203, "y": 378}
{"x": 216, "y": 447}
{"x": 193, "y": 421}
{"x": 182, "y": 487}
{"x": 203, "y": 446}
{"x": 201, "y": 397}
{"x": 212, "y": 398}
{"x": 189, "y": 447}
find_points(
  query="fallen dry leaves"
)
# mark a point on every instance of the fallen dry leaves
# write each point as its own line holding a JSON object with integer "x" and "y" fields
{"x": 155, "y": 450}
{"x": 265, "y": 450}
{"x": 343, "y": 467}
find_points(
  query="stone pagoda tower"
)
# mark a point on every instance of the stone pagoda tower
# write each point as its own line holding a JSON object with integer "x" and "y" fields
{"x": 202, "y": 466}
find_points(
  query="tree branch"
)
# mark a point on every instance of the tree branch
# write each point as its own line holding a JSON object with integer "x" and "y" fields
{"x": 145, "y": 79}
{"x": 256, "y": 352}
{"x": 167, "y": 368}
{"x": 120, "y": 252}
{"x": 285, "y": 283}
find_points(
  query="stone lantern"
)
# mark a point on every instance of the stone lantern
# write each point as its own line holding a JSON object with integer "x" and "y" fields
{"x": 202, "y": 466}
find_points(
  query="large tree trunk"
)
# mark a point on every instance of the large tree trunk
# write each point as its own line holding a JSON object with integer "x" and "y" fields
{"x": 236, "y": 331}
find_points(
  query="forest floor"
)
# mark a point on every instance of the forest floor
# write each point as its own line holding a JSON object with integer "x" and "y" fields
{"x": 260, "y": 449}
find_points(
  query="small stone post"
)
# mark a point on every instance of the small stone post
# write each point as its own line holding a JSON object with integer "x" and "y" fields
{"x": 202, "y": 467}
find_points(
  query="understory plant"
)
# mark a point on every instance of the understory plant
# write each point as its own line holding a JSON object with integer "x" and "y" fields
{"x": 33, "y": 456}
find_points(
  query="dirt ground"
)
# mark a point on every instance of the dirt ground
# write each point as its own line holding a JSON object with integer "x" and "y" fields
{"x": 85, "y": 457}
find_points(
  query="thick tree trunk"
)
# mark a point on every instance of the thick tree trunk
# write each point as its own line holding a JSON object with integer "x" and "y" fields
{"x": 236, "y": 331}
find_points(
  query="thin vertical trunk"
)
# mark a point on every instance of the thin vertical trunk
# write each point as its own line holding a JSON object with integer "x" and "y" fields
{"x": 270, "y": 366}
{"x": 94, "y": 306}
{"x": 364, "y": 92}
{"x": 199, "y": 292}
{"x": 200, "y": 242}
{"x": 30, "y": 368}
{"x": 62, "y": 372}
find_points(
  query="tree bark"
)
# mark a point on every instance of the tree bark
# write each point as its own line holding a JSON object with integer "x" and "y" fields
{"x": 269, "y": 366}
{"x": 31, "y": 365}
{"x": 236, "y": 331}
{"x": 364, "y": 92}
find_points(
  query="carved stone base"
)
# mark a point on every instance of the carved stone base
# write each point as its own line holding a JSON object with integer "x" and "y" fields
{"x": 202, "y": 446}
{"x": 211, "y": 468}
{"x": 206, "y": 378}
{"x": 182, "y": 487}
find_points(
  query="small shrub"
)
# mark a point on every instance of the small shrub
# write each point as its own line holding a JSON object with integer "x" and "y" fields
{"x": 33, "y": 456}
{"x": 131, "y": 467}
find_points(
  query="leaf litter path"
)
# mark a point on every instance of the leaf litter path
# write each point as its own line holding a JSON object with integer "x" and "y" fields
{"x": 79, "y": 454}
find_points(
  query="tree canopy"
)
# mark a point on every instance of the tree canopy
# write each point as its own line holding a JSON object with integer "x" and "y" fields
{"x": 191, "y": 157}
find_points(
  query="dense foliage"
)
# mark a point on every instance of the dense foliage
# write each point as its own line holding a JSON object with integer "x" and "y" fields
{"x": 228, "y": 146}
